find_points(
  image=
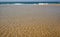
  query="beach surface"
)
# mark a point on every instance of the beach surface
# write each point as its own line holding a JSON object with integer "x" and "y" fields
{"x": 30, "y": 20}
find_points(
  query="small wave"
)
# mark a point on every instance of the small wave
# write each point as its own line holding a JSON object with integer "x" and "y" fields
{"x": 25, "y": 4}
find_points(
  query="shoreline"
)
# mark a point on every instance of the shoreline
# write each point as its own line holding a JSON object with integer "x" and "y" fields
{"x": 42, "y": 4}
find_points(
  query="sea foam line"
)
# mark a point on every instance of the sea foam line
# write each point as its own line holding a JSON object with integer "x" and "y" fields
{"x": 26, "y": 4}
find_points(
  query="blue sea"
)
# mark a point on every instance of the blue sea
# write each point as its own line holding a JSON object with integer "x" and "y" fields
{"x": 22, "y": 3}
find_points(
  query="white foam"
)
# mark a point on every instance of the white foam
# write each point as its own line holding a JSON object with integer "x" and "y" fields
{"x": 43, "y": 4}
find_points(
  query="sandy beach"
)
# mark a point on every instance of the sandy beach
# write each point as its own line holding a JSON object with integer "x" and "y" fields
{"x": 30, "y": 20}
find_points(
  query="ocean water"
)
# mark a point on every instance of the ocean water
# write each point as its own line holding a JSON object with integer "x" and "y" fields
{"x": 28, "y": 3}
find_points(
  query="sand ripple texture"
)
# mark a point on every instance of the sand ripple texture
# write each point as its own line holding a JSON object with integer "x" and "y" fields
{"x": 23, "y": 28}
{"x": 44, "y": 21}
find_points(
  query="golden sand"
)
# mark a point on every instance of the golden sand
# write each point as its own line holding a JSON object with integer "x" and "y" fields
{"x": 30, "y": 21}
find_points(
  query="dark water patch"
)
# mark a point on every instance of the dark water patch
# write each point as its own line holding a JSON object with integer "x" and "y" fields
{"x": 29, "y": 2}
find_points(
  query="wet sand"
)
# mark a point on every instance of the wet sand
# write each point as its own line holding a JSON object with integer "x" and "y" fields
{"x": 30, "y": 20}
